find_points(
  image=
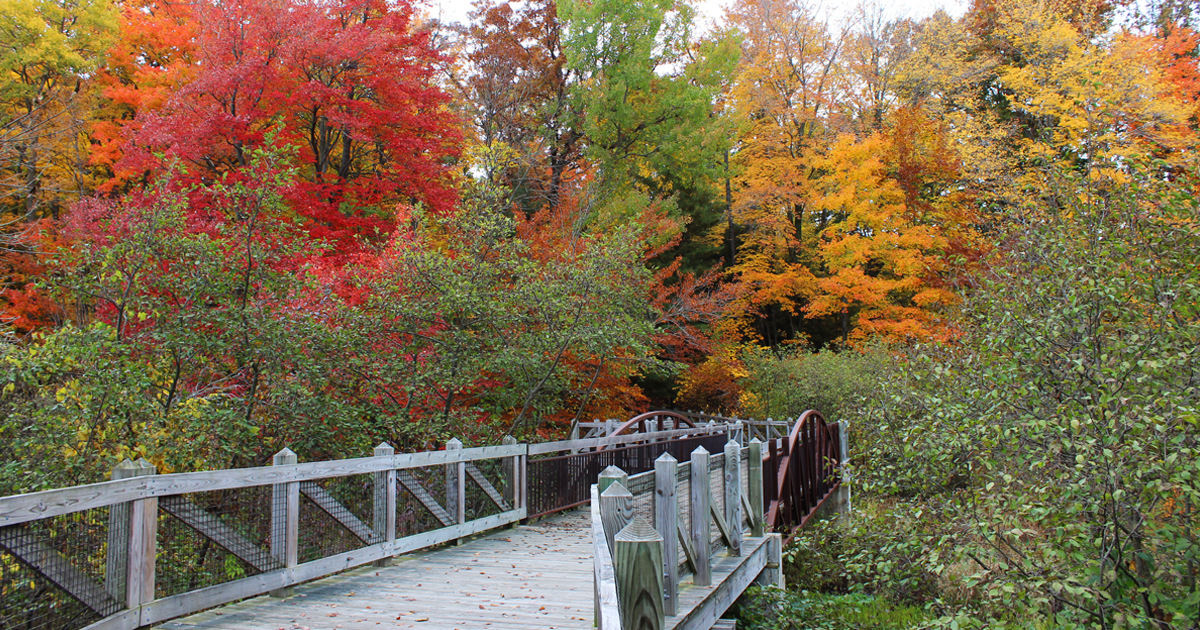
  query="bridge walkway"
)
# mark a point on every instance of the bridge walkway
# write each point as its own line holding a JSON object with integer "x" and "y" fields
{"x": 532, "y": 576}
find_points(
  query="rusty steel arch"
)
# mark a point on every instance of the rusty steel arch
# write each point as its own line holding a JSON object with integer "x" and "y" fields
{"x": 639, "y": 421}
{"x": 807, "y": 471}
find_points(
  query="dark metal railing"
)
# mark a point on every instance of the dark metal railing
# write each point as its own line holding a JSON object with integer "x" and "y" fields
{"x": 801, "y": 471}
{"x": 564, "y": 481}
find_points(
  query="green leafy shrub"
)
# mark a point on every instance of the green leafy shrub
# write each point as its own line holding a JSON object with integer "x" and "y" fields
{"x": 838, "y": 384}
{"x": 775, "y": 609}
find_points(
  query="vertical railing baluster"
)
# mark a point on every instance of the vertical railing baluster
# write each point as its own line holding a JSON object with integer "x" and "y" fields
{"x": 384, "y": 509}
{"x": 285, "y": 519}
{"x": 754, "y": 473}
{"x": 733, "y": 496}
{"x": 116, "y": 556}
{"x": 666, "y": 515}
{"x": 699, "y": 497}
{"x": 143, "y": 543}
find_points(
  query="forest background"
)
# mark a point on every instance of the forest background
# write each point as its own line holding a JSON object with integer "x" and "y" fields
{"x": 236, "y": 226}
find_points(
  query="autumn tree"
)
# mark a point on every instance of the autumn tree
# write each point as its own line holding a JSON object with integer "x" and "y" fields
{"x": 352, "y": 84}
{"x": 515, "y": 85}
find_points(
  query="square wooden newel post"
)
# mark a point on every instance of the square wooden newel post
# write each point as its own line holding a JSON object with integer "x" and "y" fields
{"x": 143, "y": 543}
{"x": 700, "y": 499}
{"x": 666, "y": 521}
{"x": 116, "y": 557}
{"x": 456, "y": 473}
{"x": 385, "y": 501}
{"x": 616, "y": 510}
{"x": 285, "y": 519}
{"x": 754, "y": 483}
{"x": 733, "y": 496}
{"x": 637, "y": 560}
{"x": 610, "y": 475}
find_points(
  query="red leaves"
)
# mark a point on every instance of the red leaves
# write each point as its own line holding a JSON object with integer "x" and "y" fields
{"x": 347, "y": 86}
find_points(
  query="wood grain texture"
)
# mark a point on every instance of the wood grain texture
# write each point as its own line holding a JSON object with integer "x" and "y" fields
{"x": 22, "y": 508}
{"x": 616, "y": 510}
{"x": 700, "y": 496}
{"x": 666, "y": 522}
{"x": 733, "y": 496}
{"x": 637, "y": 561}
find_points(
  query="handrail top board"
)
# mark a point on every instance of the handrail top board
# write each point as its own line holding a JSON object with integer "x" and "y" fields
{"x": 22, "y": 508}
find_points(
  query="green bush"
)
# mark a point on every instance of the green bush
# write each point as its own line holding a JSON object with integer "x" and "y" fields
{"x": 775, "y": 609}
{"x": 838, "y": 384}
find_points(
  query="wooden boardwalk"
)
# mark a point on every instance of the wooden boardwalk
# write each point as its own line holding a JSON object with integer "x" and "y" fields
{"x": 533, "y": 576}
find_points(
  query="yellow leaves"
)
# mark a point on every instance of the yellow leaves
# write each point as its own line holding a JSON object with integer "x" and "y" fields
{"x": 1102, "y": 101}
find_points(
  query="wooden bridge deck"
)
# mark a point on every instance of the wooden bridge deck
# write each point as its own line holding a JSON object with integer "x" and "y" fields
{"x": 532, "y": 576}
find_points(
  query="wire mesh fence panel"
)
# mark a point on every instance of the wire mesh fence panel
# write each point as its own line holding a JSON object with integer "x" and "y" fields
{"x": 52, "y": 572}
{"x": 209, "y": 538}
{"x": 485, "y": 486}
{"x": 336, "y": 516}
{"x": 421, "y": 501}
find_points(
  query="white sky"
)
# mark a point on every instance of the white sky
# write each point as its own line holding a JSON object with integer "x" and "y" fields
{"x": 456, "y": 10}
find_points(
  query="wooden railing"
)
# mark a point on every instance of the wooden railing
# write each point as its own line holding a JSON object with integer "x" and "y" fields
{"x": 143, "y": 548}
{"x": 653, "y": 530}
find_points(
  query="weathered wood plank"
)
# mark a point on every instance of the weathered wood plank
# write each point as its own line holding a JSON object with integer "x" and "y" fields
{"x": 637, "y": 560}
{"x": 213, "y": 528}
{"x": 25, "y": 545}
{"x": 700, "y": 495}
{"x": 116, "y": 555}
{"x": 124, "y": 620}
{"x": 383, "y": 509}
{"x": 733, "y": 497}
{"x": 178, "y": 605}
{"x": 755, "y": 485}
{"x": 608, "y": 609}
{"x": 734, "y": 576}
{"x": 29, "y": 507}
{"x": 143, "y": 541}
{"x": 413, "y": 485}
{"x": 666, "y": 521}
{"x": 616, "y": 510}
{"x": 285, "y": 519}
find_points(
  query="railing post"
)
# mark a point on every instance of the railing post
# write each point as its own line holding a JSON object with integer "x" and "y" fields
{"x": 116, "y": 557}
{"x": 514, "y": 482}
{"x": 616, "y": 510}
{"x": 755, "y": 483}
{"x": 772, "y": 575}
{"x": 610, "y": 475}
{"x": 456, "y": 473}
{"x": 637, "y": 557}
{"x": 733, "y": 496}
{"x": 285, "y": 519}
{"x": 699, "y": 497}
{"x": 666, "y": 515}
{"x": 143, "y": 543}
{"x": 385, "y": 501}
